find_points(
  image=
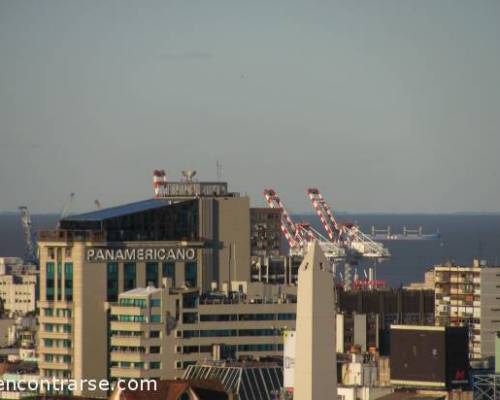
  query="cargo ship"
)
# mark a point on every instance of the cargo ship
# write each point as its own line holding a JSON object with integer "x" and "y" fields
{"x": 407, "y": 234}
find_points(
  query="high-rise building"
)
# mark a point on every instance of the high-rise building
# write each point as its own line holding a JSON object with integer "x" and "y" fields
{"x": 468, "y": 296}
{"x": 194, "y": 234}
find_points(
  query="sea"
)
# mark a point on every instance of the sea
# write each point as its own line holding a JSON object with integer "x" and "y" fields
{"x": 464, "y": 237}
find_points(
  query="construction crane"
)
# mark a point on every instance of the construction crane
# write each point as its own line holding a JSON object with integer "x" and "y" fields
{"x": 29, "y": 240}
{"x": 300, "y": 234}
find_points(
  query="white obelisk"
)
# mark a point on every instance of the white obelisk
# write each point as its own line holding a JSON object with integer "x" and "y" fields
{"x": 315, "y": 352}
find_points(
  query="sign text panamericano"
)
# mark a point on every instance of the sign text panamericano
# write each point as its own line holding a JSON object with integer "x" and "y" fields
{"x": 105, "y": 254}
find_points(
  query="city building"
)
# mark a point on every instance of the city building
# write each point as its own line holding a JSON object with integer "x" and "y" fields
{"x": 276, "y": 269}
{"x": 468, "y": 296}
{"x": 427, "y": 284}
{"x": 159, "y": 332}
{"x": 18, "y": 293}
{"x": 393, "y": 306}
{"x": 265, "y": 232}
{"x": 429, "y": 357}
{"x": 195, "y": 235}
{"x": 357, "y": 330}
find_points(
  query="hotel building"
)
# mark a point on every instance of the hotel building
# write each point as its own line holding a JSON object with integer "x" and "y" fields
{"x": 102, "y": 275}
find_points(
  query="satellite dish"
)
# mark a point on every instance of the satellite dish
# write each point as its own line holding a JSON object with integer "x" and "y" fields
{"x": 189, "y": 174}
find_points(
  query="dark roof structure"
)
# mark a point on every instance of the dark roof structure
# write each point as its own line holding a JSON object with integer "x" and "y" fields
{"x": 249, "y": 381}
{"x": 152, "y": 219}
{"x": 175, "y": 390}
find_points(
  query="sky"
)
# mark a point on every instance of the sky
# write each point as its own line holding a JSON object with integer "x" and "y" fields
{"x": 385, "y": 106}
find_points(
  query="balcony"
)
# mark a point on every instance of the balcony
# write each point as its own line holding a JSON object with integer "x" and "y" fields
{"x": 128, "y": 310}
{"x": 55, "y": 365}
{"x": 130, "y": 372}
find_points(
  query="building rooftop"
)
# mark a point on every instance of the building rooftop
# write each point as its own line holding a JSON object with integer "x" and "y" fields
{"x": 119, "y": 211}
{"x": 140, "y": 292}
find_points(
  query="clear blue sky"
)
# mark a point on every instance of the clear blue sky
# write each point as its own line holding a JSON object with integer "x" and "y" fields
{"x": 384, "y": 105}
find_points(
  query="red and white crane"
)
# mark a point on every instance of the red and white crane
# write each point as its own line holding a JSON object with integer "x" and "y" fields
{"x": 357, "y": 243}
{"x": 325, "y": 215}
{"x": 298, "y": 235}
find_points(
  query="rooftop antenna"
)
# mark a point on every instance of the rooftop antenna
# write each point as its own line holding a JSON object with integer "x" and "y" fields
{"x": 65, "y": 210}
{"x": 218, "y": 165}
{"x": 97, "y": 204}
{"x": 189, "y": 175}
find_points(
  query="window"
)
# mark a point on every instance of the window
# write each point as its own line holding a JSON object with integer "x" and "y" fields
{"x": 169, "y": 271}
{"x": 68, "y": 281}
{"x": 49, "y": 282}
{"x": 155, "y": 318}
{"x": 154, "y": 349}
{"x": 154, "y": 365}
{"x": 154, "y": 334}
{"x": 189, "y": 318}
{"x": 67, "y": 252}
{"x": 286, "y": 316}
{"x": 155, "y": 303}
{"x": 256, "y": 317}
{"x": 127, "y": 302}
{"x": 130, "y": 276}
{"x": 191, "y": 274}
{"x": 59, "y": 281}
{"x": 112, "y": 282}
{"x": 218, "y": 333}
{"x": 152, "y": 274}
{"x": 189, "y": 300}
{"x": 218, "y": 317}
{"x": 48, "y": 312}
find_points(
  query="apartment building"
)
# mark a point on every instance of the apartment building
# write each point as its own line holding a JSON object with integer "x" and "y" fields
{"x": 469, "y": 296}
{"x": 18, "y": 293}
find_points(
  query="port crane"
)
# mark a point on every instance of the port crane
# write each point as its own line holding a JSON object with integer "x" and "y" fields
{"x": 29, "y": 240}
{"x": 298, "y": 235}
{"x": 357, "y": 243}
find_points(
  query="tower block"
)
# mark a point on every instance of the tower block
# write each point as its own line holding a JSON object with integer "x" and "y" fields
{"x": 315, "y": 354}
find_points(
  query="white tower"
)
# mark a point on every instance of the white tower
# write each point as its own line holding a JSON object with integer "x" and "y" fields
{"x": 315, "y": 354}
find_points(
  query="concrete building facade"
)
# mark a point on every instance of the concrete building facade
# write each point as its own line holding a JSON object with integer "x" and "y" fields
{"x": 468, "y": 296}
{"x": 18, "y": 293}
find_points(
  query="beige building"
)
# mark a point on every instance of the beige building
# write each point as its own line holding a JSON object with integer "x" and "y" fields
{"x": 196, "y": 235}
{"x": 18, "y": 293}
{"x": 158, "y": 333}
{"x": 468, "y": 296}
